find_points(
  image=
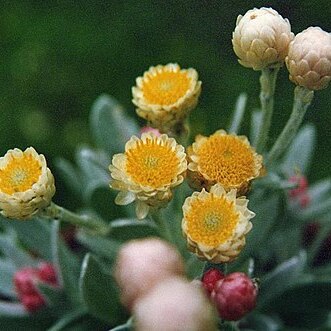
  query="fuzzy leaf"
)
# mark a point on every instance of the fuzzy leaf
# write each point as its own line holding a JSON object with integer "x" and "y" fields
{"x": 36, "y": 235}
{"x": 256, "y": 119}
{"x": 106, "y": 248}
{"x": 261, "y": 322}
{"x": 319, "y": 191}
{"x": 300, "y": 151}
{"x": 110, "y": 126}
{"x": 67, "y": 265}
{"x": 99, "y": 292}
{"x": 127, "y": 229}
{"x": 238, "y": 114}
{"x": 11, "y": 250}
{"x": 7, "y": 271}
{"x": 262, "y": 222}
{"x": 70, "y": 175}
{"x": 281, "y": 278}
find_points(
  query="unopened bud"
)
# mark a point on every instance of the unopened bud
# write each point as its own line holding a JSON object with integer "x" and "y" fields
{"x": 174, "y": 304}
{"x": 235, "y": 296}
{"x": 261, "y": 38}
{"x": 141, "y": 264}
{"x": 210, "y": 278}
{"x": 309, "y": 59}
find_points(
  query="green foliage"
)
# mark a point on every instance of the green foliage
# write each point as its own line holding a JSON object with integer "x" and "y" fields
{"x": 99, "y": 292}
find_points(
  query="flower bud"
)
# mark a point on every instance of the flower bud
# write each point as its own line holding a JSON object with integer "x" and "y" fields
{"x": 146, "y": 129}
{"x": 210, "y": 278}
{"x": 234, "y": 296}
{"x": 302, "y": 184}
{"x": 32, "y": 302}
{"x": 47, "y": 273}
{"x": 174, "y": 304}
{"x": 143, "y": 263}
{"x": 309, "y": 59}
{"x": 261, "y": 38}
{"x": 26, "y": 280}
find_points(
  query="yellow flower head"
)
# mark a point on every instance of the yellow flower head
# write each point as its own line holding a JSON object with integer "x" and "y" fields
{"x": 166, "y": 94}
{"x": 26, "y": 184}
{"x": 223, "y": 158}
{"x": 150, "y": 167}
{"x": 215, "y": 224}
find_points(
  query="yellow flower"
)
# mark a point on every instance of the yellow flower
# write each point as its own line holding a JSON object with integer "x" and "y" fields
{"x": 166, "y": 94}
{"x": 261, "y": 38}
{"x": 309, "y": 59}
{"x": 150, "y": 167}
{"x": 26, "y": 184}
{"x": 215, "y": 224}
{"x": 223, "y": 158}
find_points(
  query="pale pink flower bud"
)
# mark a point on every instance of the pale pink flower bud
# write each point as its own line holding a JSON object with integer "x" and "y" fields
{"x": 143, "y": 263}
{"x": 174, "y": 304}
{"x": 261, "y": 38}
{"x": 309, "y": 59}
{"x": 146, "y": 129}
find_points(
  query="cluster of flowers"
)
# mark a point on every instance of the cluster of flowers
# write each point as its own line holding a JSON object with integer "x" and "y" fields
{"x": 26, "y": 281}
{"x": 219, "y": 168}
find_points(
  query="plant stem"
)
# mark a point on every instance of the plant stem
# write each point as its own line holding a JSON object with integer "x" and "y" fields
{"x": 302, "y": 100}
{"x": 57, "y": 212}
{"x": 268, "y": 83}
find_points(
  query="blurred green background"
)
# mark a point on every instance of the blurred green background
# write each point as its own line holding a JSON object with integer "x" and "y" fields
{"x": 58, "y": 56}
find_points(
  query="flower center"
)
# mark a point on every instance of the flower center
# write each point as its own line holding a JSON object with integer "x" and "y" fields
{"x": 226, "y": 160}
{"x": 151, "y": 164}
{"x": 19, "y": 174}
{"x": 212, "y": 220}
{"x": 166, "y": 87}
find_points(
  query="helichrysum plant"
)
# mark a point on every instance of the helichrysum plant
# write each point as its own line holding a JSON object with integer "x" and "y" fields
{"x": 218, "y": 232}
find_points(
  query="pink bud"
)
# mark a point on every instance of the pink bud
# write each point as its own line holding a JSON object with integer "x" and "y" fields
{"x": 302, "y": 185}
{"x": 47, "y": 273}
{"x": 143, "y": 263}
{"x": 210, "y": 278}
{"x": 234, "y": 296}
{"x": 304, "y": 200}
{"x": 24, "y": 281}
{"x": 146, "y": 129}
{"x": 32, "y": 302}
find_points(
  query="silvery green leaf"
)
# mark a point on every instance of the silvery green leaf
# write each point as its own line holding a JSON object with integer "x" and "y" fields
{"x": 35, "y": 235}
{"x": 10, "y": 249}
{"x": 126, "y": 229}
{"x": 300, "y": 152}
{"x": 67, "y": 265}
{"x": 7, "y": 271}
{"x": 104, "y": 247}
{"x": 93, "y": 164}
{"x": 99, "y": 291}
{"x": 274, "y": 283}
{"x": 238, "y": 114}
{"x": 110, "y": 126}
{"x": 256, "y": 119}
{"x": 70, "y": 175}
{"x": 319, "y": 191}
